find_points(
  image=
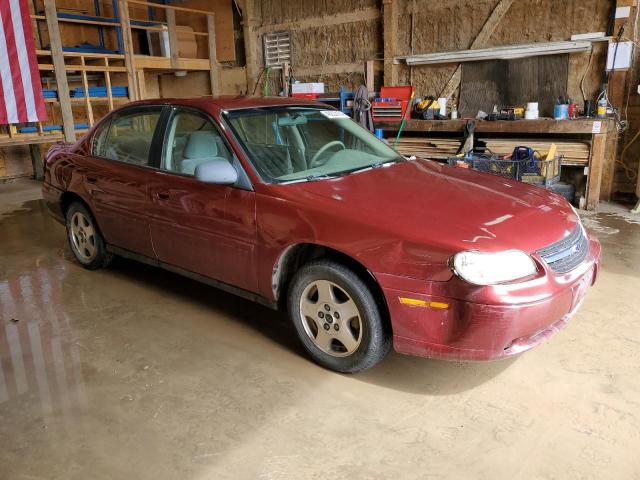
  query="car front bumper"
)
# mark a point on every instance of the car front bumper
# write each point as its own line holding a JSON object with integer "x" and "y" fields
{"x": 447, "y": 327}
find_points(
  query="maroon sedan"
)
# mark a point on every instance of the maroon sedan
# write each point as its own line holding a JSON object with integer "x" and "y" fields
{"x": 292, "y": 203}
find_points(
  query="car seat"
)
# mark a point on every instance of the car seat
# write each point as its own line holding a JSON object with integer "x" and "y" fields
{"x": 201, "y": 147}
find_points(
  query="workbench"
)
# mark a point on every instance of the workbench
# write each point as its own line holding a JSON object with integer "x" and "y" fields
{"x": 601, "y": 134}
{"x": 33, "y": 142}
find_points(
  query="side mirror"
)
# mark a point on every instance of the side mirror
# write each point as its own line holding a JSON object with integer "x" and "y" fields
{"x": 220, "y": 172}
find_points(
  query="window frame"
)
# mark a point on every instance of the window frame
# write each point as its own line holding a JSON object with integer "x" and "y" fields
{"x": 243, "y": 183}
{"x": 108, "y": 122}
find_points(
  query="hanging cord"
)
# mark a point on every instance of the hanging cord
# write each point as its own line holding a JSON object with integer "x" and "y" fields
{"x": 584, "y": 77}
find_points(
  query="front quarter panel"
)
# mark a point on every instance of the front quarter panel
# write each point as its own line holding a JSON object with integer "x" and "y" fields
{"x": 283, "y": 223}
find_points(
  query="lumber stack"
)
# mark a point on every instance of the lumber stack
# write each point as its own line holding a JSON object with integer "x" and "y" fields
{"x": 574, "y": 153}
{"x": 427, "y": 147}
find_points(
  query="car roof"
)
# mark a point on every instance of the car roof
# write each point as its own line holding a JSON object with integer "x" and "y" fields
{"x": 229, "y": 102}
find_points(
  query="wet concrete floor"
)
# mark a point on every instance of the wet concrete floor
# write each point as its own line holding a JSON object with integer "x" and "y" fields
{"x": 133, "y": 372}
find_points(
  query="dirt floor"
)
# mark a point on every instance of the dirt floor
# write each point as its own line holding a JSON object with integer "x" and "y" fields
{"x": 137, "y": 373}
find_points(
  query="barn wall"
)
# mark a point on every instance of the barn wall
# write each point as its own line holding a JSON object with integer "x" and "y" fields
{"x": 331, "y": 39}
{"x": 333, "y": 48}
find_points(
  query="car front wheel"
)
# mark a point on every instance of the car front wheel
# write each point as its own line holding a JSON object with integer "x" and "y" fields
{"x": 85, "y": 240}
{"x": 337, "y": 317}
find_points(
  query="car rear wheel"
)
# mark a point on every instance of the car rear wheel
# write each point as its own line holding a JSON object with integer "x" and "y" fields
{"x": 337, "y": 318}
{"x": 85, "y": 239}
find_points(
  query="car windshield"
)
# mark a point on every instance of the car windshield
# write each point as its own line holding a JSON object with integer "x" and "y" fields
{"x": 291, "y": 143}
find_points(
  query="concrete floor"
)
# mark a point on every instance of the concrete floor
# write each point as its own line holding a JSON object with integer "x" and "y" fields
{"x": 133, "y": 372}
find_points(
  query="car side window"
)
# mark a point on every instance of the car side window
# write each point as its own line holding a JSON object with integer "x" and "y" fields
{"x": 128, "y": 136}
{"x": 192, "y": 139}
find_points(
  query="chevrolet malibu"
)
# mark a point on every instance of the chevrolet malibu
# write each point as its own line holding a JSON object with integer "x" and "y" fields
{"x": 292, "y": 204}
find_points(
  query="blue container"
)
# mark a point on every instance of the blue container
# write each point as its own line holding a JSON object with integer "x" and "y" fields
{"x": 561, "y": 112}
{"x": 379, "y": 133}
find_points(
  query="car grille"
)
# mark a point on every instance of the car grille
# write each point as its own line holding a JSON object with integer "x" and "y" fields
{"x": 566, "y": 254}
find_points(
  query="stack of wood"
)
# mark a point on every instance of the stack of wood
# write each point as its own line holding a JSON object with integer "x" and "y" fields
{"x": 439, "y": 148}
{"x": 574, "y": 153}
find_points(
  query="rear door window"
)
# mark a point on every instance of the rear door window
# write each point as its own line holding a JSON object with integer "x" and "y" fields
{"x": 128, "y": 136}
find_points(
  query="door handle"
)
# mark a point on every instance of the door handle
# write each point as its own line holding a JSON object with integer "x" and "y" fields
{"x": 162, "y": 196}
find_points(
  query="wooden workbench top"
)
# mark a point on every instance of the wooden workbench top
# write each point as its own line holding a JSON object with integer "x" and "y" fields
{"x": 28, "y": 139}
{"x": 540, "y": 126}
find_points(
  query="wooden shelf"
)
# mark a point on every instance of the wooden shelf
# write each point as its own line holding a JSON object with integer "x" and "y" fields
{"x": 148, "y": 62}
{"x": 30, "y": 139}
{"x": 91, "y": 99}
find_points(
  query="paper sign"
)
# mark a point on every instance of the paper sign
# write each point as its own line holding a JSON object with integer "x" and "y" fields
{"x": 334, "y": 114}
{"x": 597, "y": 127}
{"x": 622, "y": 52}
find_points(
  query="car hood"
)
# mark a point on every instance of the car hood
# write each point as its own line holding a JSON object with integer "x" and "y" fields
{"x": 449, "y": 207}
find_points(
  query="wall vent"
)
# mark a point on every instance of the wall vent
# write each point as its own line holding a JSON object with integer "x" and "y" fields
{"x": 276, "y": 49}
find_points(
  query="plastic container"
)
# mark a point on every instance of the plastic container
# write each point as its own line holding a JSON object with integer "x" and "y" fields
{"x": 561, "y": 112}
{"x": 530, "y": 170}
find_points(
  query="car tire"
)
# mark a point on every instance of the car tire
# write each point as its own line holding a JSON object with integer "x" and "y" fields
{"x": 85, "y": 239}
{"x": 337, "y": 318}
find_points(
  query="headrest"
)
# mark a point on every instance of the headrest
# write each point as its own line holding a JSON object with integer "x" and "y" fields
{"x": 201, "y": 144}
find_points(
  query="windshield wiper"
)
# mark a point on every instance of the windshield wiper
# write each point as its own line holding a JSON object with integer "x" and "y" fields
{"x": 320, "y": 176}
{"x": 373, "y": 166}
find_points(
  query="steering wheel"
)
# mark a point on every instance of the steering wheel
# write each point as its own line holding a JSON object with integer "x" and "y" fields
{"x": 315, "y": 160}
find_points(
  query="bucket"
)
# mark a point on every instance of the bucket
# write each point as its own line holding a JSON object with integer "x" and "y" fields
{"x": 561, "y": 112}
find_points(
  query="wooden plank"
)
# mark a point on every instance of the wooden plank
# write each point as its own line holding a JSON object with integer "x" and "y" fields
{"x": 541, "y": 126}
{"x": 390, "y": 24}
{"x": 481, "y": 40}
{"x": 142, "y": 84}
{"x": 170, "y": 7}
{"x": 127, "y": 41}
{"x": 214, "y": 69}
{"x": 87, "y": 99}
{"x": 596, "y": 165}
{"x": 59, "y": 69}
{"x": 173, "y": 38}
{"x": 107, "y": 84}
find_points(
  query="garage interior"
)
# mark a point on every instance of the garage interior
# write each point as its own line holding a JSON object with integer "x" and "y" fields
{"x": 136, "y": 372}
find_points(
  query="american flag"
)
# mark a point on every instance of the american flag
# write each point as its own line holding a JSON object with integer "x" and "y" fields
{"x": 20, "y": 89}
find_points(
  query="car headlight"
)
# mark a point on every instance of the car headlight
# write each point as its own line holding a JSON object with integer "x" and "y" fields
{"x": 492, "y": 268}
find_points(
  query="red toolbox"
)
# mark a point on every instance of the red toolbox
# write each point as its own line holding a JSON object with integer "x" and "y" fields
{"x": 392, "y": 104}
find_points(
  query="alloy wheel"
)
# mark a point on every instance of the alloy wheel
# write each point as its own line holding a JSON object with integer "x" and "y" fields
{"x": 83, "y": 237}
{"x": 331, "y": 318}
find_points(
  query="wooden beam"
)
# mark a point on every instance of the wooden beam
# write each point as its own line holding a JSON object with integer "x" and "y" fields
{"x": 251, "y": 43}
{"x": 390, "y": 20}
{"x": 174, "y": 53}
{"x": 481, "y": 40}
{"x": 127, "y": 42}
{"x": 369, "y": 76}
{"x": 59, "y": 70}
{"x": 596, "y": 166}
{"x": 363, "y": 15}
{"x": 36, "y": 161}
{"x": 214, "y": 69}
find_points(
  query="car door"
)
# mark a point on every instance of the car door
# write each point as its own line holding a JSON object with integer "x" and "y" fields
{"x": 118, "y": 176}
{"x": 200, "y": 227}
